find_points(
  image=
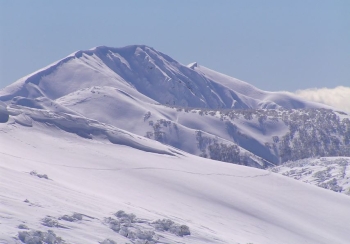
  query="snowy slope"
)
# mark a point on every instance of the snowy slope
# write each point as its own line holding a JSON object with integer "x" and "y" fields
{"x": 167, "y": 125}
{"x": 331, "y": 173}
{"x": 264, "y": 133}
{"x": 256, "y": 138}
{"x": 94, "y": 178}
{"x": 253, "y": 97}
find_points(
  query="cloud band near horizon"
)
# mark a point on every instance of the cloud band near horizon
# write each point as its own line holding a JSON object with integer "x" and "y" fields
{"x": 338, "y": 97}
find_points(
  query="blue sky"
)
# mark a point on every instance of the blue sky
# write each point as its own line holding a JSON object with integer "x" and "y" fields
{"x": 274, "y": 45}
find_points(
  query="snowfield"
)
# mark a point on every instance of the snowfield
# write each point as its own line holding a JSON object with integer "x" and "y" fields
{"x": 90, "y": 180}
{"x": 103, "y": 147}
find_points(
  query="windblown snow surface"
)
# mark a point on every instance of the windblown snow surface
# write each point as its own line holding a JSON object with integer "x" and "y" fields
{"x": 66, "y": 179}
{"x": 81, "y": 159}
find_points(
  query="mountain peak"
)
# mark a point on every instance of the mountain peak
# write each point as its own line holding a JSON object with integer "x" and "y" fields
{"x": 150, "y": 73}
{"x": 192, "y": 65}
{"x": 125, "y": 48}
{"x": 130, "y": 49}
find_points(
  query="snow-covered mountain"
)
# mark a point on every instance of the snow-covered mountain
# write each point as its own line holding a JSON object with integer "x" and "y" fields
{"x": 141, "y": 70}
{"x": 100, "y": 147}
{"x": 143, "y": 91}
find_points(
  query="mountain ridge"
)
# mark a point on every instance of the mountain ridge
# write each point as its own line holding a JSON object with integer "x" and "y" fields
{"x": 192, "y": 108}
{"x": 140, "y": 66}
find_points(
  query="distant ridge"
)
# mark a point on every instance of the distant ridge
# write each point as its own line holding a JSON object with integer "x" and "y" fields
{"x": 151, "y": 73}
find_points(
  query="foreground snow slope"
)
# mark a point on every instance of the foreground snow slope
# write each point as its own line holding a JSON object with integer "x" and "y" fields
{"x": 219, "y": 202}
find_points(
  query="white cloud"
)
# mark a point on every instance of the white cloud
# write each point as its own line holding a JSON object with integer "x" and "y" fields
{"x": 338, "y": 97}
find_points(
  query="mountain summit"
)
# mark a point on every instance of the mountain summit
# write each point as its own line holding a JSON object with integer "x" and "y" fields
{"x": 142, "y": 69}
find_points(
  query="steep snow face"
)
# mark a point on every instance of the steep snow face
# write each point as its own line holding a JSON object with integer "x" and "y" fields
{"x": 151, "y": 73}
{"x": 71, "y": 189}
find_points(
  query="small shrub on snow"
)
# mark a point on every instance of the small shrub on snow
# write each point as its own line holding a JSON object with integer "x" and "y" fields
{"x": 147, "y": 116}
{"x": 124, "y": 217}
{"x": 38, "y": 237}
{"x": 332, "y": 185}
{"x": 170, "y": 226}
{"x": 34, "y": 173}
{"x": 137, "y": 234}
{"x": 113, "y": 224}
{"x": 50, "y": 222}
{"x": 67, "y": 218}
{"x": 126, "y": 226}
{"x": 72, "y": 218}
{"x": 125, "y": 231}
{"x": 144, "y": 242}
{"x": 23, "y": 227}
{"x": 145, "y": 235}
{"x": 135, "y": 229}
{"x": 108, "y": 241}
{"x": 163, "y": 225}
